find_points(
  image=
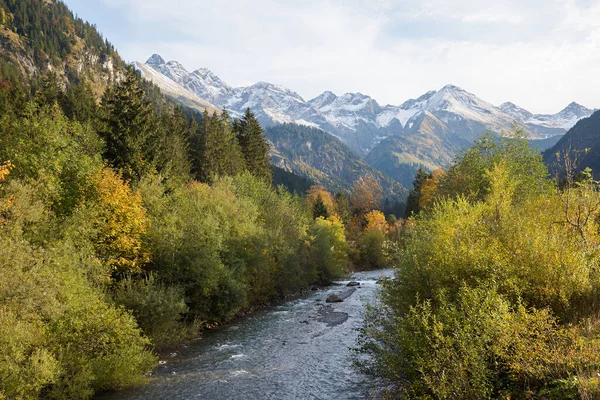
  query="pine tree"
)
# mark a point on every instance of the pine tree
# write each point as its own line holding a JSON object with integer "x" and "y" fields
{"x": 216, "y": 150}
{"x": 79, "y": 103}
{"x": 174, "y": 161}
{"x": 319, "y": 208}
{"x": 255, "y": 148}
{"x": 130, "y": 129}
{"x": 50, "y": 91}
{"x": 413, "y": 201}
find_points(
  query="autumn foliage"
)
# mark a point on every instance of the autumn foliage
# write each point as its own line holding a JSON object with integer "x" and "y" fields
{"x": 120, "y": 222}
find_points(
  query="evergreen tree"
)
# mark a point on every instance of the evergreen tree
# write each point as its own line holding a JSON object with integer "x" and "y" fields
{"x": 130, "y": 129}
{"x": 49, "y": 91}
{"x": 319, "y": 208}
{"x": 218, "y": 151}
{"x": 343, "y": 207}
{"x": 79, "y": 103}
{"x": 412, "y": 203}
{"x": 174, "y": 159}
{"x": 254, "y": 146}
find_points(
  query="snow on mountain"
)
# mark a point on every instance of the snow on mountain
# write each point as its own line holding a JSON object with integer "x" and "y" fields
{"x": 559, "y": 122}
{"x": 174, "y": 89}
{"x": 518, "y": 113}
{"x": 347, "y": 111}
{"x": 323, "y": 100}
{"x": 358, "y": 119}
{"x": 272, "y": 104}
{"x": 564, "y": 119}
{"x": 202, "y": 82}
{"x": 208, "y": 86}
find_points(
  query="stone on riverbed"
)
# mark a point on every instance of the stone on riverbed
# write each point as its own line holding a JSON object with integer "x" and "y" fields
{"x": 353, "y": 283}
{"x": 334, "y": 299}
{"x": 331, "y": 317}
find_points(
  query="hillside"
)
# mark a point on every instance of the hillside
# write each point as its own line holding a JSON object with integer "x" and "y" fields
{"x": 584, "y": 135}
{"x": 324, "y": 159}
{"x": 38, "y": 37}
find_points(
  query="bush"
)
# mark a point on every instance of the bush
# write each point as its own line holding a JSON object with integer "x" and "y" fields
{"x": 159, "y": 309}
{"x": 474, "y": 346}
{"x": 368, "y": 253}
{"x": 328, "y": 249}
{"x": 493, "y": 298}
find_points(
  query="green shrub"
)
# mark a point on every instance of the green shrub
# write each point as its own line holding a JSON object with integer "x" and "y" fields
{"x": 328, "y": 249}
{"x": 474, "y": 346}
{"x": 368, "y": 253}
{"x": 159, "y": 309}
{"x": 493, "y": 298}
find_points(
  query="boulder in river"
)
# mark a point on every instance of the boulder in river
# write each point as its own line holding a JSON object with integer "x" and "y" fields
{"x": 334, "y": 299}
{"x": 353, "y": 283}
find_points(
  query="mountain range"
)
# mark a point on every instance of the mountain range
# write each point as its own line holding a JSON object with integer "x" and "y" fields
{"x": 357, "y": 119}
{"x": 396, "y": 139}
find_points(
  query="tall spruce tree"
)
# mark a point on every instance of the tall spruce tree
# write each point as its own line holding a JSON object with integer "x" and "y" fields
{"x": 174, "y": 161}
{"x": 217, "y": 150}
{"x": 130, "y": 127}
{"x": 319, "y": 208}
{"x": 412, "y": 203}
{"x": 343, "y": 207}
{"x": 255, "y": 148}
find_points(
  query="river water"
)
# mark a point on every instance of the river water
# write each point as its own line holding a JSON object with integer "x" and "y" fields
{"x": 297, "y": 350}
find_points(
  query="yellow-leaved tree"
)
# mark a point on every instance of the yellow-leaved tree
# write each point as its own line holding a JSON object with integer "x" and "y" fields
{"x": 366, "y": 195}
{"x": 119, "y": 220}
{"x": 376, "y": 223}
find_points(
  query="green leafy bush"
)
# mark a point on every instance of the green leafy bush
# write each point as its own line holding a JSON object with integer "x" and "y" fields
{"x": 494, "y": 296}
{"x": 159, "y": 309}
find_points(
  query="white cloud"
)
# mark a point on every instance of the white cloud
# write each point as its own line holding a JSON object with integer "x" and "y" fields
{"x": 539, "y": 54}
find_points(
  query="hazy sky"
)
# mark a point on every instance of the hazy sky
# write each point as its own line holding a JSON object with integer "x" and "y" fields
{"x": 539, "y": 54}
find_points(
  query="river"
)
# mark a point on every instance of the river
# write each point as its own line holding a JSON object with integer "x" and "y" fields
{"x": 297, "y": 350}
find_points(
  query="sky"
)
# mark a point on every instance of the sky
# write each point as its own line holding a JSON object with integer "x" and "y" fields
{"x": 539, "y": 54}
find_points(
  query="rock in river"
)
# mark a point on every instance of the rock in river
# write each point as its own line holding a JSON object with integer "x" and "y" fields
{"x": 353, "y": 283}
{"x": 334, "y": 299}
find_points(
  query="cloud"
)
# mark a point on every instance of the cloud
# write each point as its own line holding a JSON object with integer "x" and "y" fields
{"x": 539, "y": 54}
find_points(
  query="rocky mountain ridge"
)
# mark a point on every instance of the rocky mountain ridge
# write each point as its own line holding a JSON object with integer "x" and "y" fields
{"x": 359, "y": 120}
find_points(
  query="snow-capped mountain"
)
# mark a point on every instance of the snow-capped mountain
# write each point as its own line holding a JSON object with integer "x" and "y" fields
{"x": 358, "y": 119}
{"x": 564, "y": 119}
{"x": 547, "y": 125}
{"x": 174, "y": 89}
{"x": 518, "y": 113}
{"x": 202, "y": 82}
{"x": 272, "y": 104}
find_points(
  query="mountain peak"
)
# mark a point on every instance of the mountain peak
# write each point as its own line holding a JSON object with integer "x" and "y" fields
{"x": 573, "y": 106}
{"x": 204, "y": 72}
{"x": 155, "y": 60}
{"x": 575, "y": 109}
{"x": 518, "y": 113}
{"x": 508, "y": 105}
{"x": 322, "y": 100}
{"x": 451, "y": 88}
